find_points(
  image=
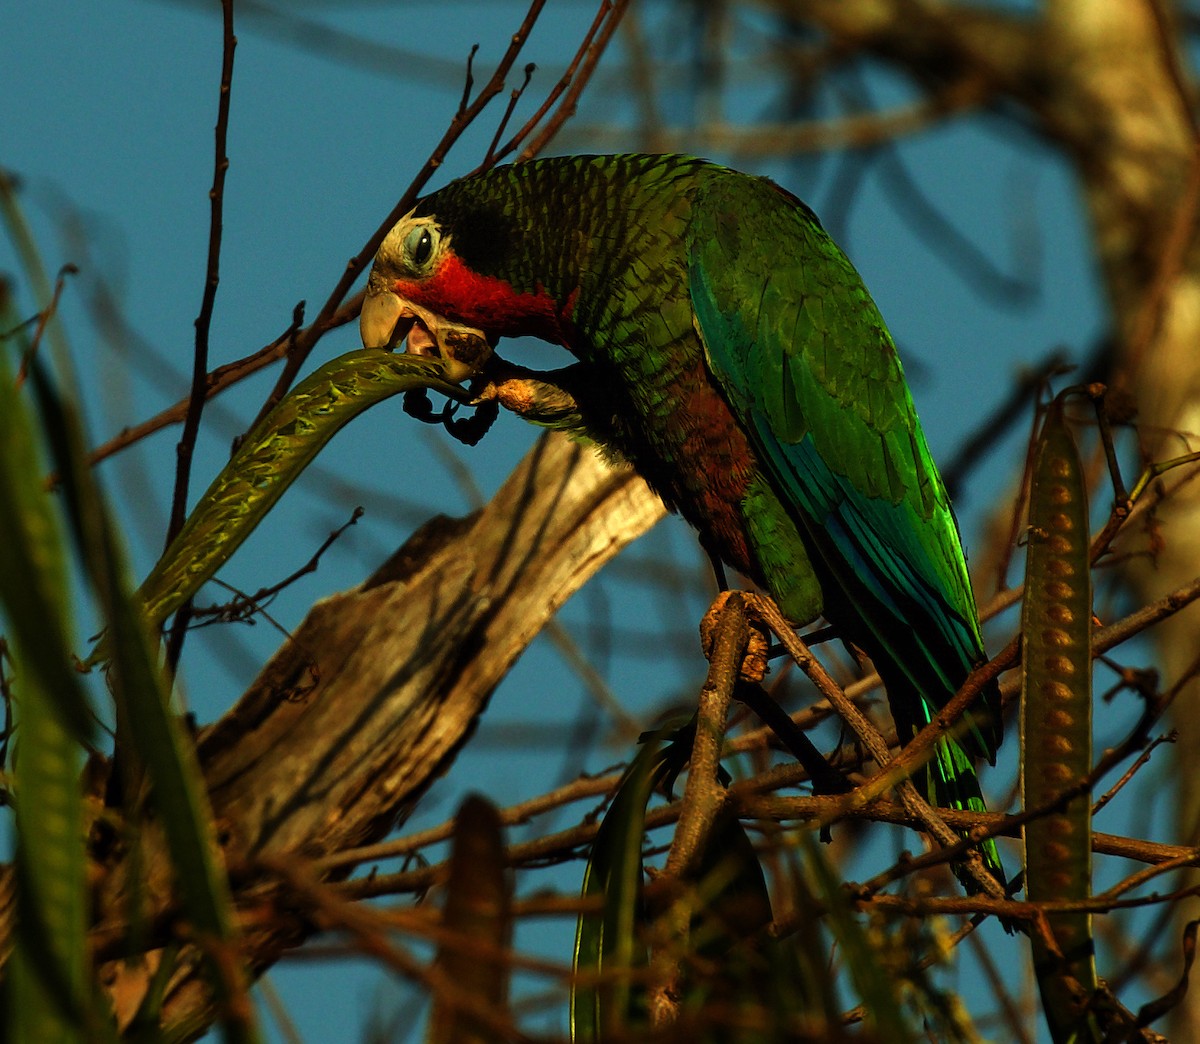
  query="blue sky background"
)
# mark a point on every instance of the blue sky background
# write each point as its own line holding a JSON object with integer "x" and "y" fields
{"x": 109, "y": 127}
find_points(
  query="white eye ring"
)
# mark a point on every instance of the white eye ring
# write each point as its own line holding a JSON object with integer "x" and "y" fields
{"x": 420, "y": 245}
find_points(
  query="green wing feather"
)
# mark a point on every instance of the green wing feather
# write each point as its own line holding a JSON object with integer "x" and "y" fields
{"x": 806, "y": 363}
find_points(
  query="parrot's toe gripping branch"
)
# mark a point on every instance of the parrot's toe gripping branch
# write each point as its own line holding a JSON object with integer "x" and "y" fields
{"x": 539, "y": 397}
{"x": 754, "y": 662}
{"x": 467, "y": 430}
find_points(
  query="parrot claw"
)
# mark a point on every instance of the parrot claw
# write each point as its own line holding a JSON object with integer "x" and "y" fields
{"x": 753, "y": 667}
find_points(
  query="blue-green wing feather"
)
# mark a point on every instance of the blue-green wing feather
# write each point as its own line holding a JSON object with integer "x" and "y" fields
{"x": 806, "y": 363}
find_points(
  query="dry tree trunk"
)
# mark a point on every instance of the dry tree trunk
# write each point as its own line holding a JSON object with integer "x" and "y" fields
{"x": 368, "y": 703}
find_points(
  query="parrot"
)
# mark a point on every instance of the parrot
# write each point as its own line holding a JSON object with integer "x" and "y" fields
{"x": 728, "y": 350}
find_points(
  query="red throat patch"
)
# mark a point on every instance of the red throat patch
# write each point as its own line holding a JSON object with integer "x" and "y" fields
{"x": 491, "y": 304}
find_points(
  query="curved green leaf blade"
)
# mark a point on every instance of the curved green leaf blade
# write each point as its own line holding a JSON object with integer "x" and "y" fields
{"x": 607, "y": 944}
{"x": 737, "y": 974}
{"x": 145, "y": 721}
{"x": 49, "y": 971}
{"x": 1056, "y": 722}
{"x": 33, "y": 560}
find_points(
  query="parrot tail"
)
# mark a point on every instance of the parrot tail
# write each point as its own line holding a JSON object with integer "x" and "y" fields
{"x": 948, "y": 779}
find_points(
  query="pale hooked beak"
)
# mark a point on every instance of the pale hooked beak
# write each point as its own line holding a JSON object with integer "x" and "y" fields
{"x": 387, "y": 319}
{"x": 379, "y": 323}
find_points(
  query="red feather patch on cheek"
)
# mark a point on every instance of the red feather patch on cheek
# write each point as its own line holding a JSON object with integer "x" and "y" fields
{"x": 491, "y": 304}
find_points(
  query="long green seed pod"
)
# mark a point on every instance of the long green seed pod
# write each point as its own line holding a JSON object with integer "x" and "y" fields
{"x": 279, "y": 448}
{"x": 1056, "y": 719}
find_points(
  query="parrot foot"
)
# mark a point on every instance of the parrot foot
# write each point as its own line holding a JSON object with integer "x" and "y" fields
{"x": 754, "y": 663}
{"x": 468, "y": 430}
{"x": 539, "y": 397}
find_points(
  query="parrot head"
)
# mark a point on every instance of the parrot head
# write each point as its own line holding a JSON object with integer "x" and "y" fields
{"x": 452, "y": 277}
{"x": 410, "y": 265}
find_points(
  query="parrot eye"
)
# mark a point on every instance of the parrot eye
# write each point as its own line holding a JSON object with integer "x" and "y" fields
{"x": 419, "y": 245}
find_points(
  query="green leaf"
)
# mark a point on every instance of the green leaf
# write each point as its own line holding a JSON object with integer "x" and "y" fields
{"x": 737, "y": 975}
{"x": 1056, "y": 723}
{"x": 608, "y": 947}
{"x": 49, "y": 968}
{"x": 734, "y": 903}
{"x": 33, "y": 562}
{"x": 49, "y": 981}
{"x": 145, "y": 720}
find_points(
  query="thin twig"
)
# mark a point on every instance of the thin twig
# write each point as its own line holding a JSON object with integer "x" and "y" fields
{"x": 1114, "y": 634}
{"x": 491, "y": 155}
{"x": 468, "y": 80}
{"x": 893, "y": 772}
{"x": 1139, "y": 762}
{"x": 243, "y": 605}
{"x": 43, "y": 320}
{"x": 369, "y": 932}
{"x": 220, "y": 379}
{"x": 562, "y": 84}
{"x": 1103, "y": 639}
{"x": 519, "y": 814}
{"x": 566, "y": 108}
{"x": 212, "y": 278}
{"x": 745, "y": 800}
{"x": 338, "y": 310}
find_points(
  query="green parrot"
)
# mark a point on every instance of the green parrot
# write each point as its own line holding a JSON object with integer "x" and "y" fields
{"x": 730, "y": 352}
